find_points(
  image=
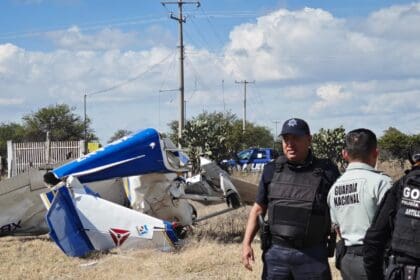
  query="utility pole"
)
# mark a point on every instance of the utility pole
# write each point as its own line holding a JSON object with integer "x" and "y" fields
{"x": 185, "y": 109}
{"x": 245, "y": 82}
{"x": 223, "y": 92}
{"x": 181, "y": 20}
{"x": 85, "y": 123}
{"x": 276, "y": 135}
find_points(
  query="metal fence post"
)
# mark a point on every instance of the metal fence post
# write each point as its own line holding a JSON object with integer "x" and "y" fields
{"x": 9, "y": 158}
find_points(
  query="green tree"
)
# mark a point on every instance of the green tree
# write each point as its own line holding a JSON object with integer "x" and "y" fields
{"x": 173, "y": 131}
{"x": 329, "y": 143}
{"x": 219, "y": 135}
{"x": 201, "y": 125}
{"x": 209, "y": 132}
{"x": 395, "y": 144}
{"x": 9, "y": 131}
{"x": 254, "y": 136}
{"x": 415, "y": 140}
{"x": 119, "y": 134}
{"x": 60, "y": 121}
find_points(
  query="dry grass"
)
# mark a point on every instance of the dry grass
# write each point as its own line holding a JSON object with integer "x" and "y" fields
{"x": 212, "y": 252}
{"x": 393, "y": 168}
{"x": 38, "y": 258}
{"x": 227, "y": 228}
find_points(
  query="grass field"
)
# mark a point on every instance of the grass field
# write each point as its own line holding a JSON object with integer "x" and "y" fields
{"x": 212, "y": 252}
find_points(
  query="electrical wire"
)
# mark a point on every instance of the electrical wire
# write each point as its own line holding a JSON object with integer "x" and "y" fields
{"x": 85, "y": 27}
{"x": 171, "y": 65}
{"x": 130, "y": 80}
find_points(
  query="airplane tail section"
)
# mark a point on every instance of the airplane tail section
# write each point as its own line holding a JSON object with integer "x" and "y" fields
{"x": 66, "y": 229}
{"x": 81, "y": 222}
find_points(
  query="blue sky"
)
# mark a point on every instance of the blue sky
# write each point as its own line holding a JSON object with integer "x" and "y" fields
{"x": 350, "y": 63}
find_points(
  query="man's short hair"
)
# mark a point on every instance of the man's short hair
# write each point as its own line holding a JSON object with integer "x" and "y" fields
{"x": 360, "y": 143}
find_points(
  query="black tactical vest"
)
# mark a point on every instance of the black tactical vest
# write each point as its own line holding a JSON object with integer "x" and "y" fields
{"x": 406, "y": 235}
{"x": 297, "y": 203}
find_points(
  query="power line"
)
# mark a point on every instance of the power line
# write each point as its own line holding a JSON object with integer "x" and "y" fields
{"x": 112, "y": 88}
{"x": 162, "y": 85}
{"x": 201, "y": 35}
{"x": 84, "y": 27}
{"x": 259, "y": 98}
{"x": 212, "y": 27}
{"x": 130, "y": 80}
{"x": 197, "y": 76}
{"x": 171, "y": 66}
{"x": 192, "y": 41}
{"x": 118, "y": 22}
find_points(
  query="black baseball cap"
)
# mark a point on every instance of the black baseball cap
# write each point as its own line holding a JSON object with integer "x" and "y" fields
{"x": 295, "y": 126}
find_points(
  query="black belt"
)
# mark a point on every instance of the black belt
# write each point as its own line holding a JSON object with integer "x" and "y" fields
{"x": 355, "y": 250}
{"x": 406, "y": 260}
{"x": 292, "y": 243}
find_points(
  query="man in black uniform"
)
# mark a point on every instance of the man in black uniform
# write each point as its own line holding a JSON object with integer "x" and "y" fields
{"x": 397, "y": 224}
{"x": 293, "y": 189}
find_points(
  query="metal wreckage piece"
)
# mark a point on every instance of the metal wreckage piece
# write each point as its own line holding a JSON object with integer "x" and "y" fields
{"x": 127, "y": 194}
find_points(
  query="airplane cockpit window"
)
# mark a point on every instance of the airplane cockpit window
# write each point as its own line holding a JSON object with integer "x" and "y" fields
{"x": 176, "y": 158}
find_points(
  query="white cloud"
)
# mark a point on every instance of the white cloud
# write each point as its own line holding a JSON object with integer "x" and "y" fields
{"x": 390, "y": 102}
{"x": 306, "y": 63}
{"x": 10, "y": 101}
{"x": 312, "y": 45}
{"x": 397, "y": 22}
{"x": 8, "y": 56}
{"x": 331, "y": 96}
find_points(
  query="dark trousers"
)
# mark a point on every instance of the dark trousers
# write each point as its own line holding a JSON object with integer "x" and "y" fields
{"x": 352, "y": 266}
{"x": 284, "y": 263}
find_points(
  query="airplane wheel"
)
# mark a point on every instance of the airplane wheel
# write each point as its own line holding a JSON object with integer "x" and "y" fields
{"x": 181, "y": 231}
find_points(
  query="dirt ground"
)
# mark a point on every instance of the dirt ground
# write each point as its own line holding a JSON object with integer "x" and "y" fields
{"x": 39, "y": 258}
{"x": 212, "y": 252}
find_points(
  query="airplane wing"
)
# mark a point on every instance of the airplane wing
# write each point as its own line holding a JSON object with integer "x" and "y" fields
{"x": 81, "y": 222}
{"x": 139, "y": 153}
{"x": 21, "y": 208}
{"x": 247, "y": 191}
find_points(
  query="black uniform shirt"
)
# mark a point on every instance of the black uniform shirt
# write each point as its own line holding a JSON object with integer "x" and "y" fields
{"x": 331, "y": 174}
{"x": 380, "y": 231}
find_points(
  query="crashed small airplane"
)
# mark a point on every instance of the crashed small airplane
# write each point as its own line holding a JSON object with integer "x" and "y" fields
{"x": 81, "y": 220}
{"x": 22, "y": 211}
